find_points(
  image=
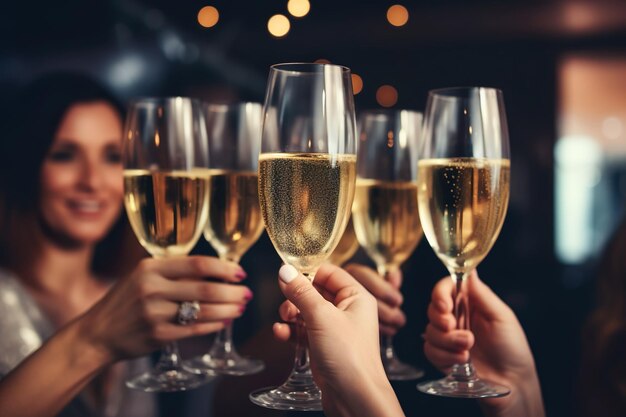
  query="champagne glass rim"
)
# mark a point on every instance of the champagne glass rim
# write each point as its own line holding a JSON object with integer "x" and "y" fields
{"x": 159, "y": 100}
{"x": 223, "y": 107}
{"x": 305, "y": 67}
{"x": 460, "y": 92}
{"x": 387, "y": 112}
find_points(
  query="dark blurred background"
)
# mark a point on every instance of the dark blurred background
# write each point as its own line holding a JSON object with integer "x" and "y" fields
{"x": 561, "y": 65}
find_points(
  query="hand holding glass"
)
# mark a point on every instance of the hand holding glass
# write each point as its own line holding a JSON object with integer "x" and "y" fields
{"x": 235, "y": 223}
{"x": 306, "y": 186}
{"x": 165, "y": 194}
{"x": 463, "y": 179}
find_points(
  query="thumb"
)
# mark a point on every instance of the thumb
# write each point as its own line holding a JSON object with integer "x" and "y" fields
{"x": 300, "y": 291}
{"x": 483, "y": 299}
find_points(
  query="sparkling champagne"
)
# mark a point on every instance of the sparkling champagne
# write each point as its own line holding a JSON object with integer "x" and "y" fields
{"x": 167, "y": 210}
{"x": 386, "y": 220}
{"x": 235, "y": 221}
{"x": 346, "y": 247}
{"x": 462, "y": 204}
{"x": 305, "y": 200}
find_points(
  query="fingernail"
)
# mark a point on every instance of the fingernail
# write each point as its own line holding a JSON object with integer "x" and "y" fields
{"x": 287, "y": 273}
{"x": 227, "y": 322}
{"x": 242, "y": 308}
{"x": 240, "y": 273}
{"x": 249, "y": 295}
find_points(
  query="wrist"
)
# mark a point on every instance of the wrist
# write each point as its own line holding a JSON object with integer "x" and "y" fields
{"x": 368, "y": 393}
{"x": 84, "y": 349}
{"x": 525, "y": 399}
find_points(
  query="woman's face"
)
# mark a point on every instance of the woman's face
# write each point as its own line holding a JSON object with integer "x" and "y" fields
{"x": 82, "y": 177}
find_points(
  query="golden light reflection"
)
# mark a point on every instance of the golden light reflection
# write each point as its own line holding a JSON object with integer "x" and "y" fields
{"x": 208, "y": 16}
{"x": 386, "y": 95}
{"x": 278, "y": 25}
{"x": 357, "y": 84}
{"x": 321, "y": 61}
{"x": 298, "y": 8}
{"x": 397, "y": 15}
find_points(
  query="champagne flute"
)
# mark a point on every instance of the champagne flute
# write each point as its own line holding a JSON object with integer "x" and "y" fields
{"x": 347, "y": 246}
{"x": 384, "y": 212}
{"x": 166, "y": 199}
{"x": 307, "y": 171}
{"x": 463, "y": 177}
{"x": 235, "y": 223}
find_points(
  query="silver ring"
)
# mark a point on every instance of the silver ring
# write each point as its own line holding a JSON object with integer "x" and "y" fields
{"x": 188, "y": 312}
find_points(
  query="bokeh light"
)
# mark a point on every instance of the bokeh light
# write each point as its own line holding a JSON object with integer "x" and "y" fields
{"x": 321, "y": 61}
{"x": 208, "y": 16}
{"x": 386, "y": 95}
{"x": 278, "y": 25}
{"x": 357, "y": 84}
{"x": 298, "y": 8}
{"x": 397, "y": 15}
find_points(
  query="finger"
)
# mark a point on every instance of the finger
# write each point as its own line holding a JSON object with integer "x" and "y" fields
{"x": 301, "y": 292}
{"x": 387, "y": 330}
{"x": 220, "y": 312}
{"x": 334, "y": 279}
{"x": 206, "y": 292}
{"x": 377, "y": 286}
{"x": 288, "y": 311}
{"x": 441, "y": 297}
{"x": 483, "y": 299}
{"x": 444, "y": 321}
{"x": 444, "y": 359}
{"x": 194, "y": 267}
{"x": 391, "y": 316}
{"x": 394, "y": 278}
{"x": 455, "y": 341}
{"x": 282, "y": 331}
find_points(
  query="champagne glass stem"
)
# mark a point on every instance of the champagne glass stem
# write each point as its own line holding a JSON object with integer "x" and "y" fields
{"x": 395, "y": 369}
{"x": 386, "y": 342}
{"x": 302, "y": 362}
{"x": 170, "y": 358}
{"x": 465, "y": 371}
{"x": 224, "y": 338}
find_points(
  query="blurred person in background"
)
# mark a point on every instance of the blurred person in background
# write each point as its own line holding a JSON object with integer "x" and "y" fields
{"x": 75, "y": 296}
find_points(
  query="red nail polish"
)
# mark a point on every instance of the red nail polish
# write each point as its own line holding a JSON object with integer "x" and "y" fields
{"x": 242, "y": 308}
{"x": 227, "y": 322}
{"x": 240, "y": 274}
{"x": 248, "y": 296}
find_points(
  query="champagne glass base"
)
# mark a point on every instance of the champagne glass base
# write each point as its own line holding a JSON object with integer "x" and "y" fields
{"x": 230, "y": 363}
{"x": 299, "y": 393}
{"x": 168, "y": 381}
{"x": 476, "y": 388}
{"x": 397, "y": 370}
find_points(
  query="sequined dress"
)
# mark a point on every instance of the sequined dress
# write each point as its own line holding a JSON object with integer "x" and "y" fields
{"x": 24, "y": 327}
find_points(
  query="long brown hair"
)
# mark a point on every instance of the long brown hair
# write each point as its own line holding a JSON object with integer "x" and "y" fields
{"x": 603, "y": 365}
{"x": 35, "y": 115}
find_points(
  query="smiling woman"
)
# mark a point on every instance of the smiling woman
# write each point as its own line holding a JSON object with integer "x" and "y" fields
{"x": 71, "y": 309}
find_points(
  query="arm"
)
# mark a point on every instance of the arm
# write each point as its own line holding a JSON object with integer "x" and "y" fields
{"x": 499, "y": 351}
{"x": 134, "y": 318}
{"x": 350, "y": 375}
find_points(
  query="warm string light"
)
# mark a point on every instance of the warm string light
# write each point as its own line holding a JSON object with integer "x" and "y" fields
{"x": 208, "y": 16}
{"x": 357, "y": 84}
{"x": 278, "y": 25}
{"x": 298, "y": 8}
{"x": 387, "y": 95}
{"x": 397, "y": 15}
